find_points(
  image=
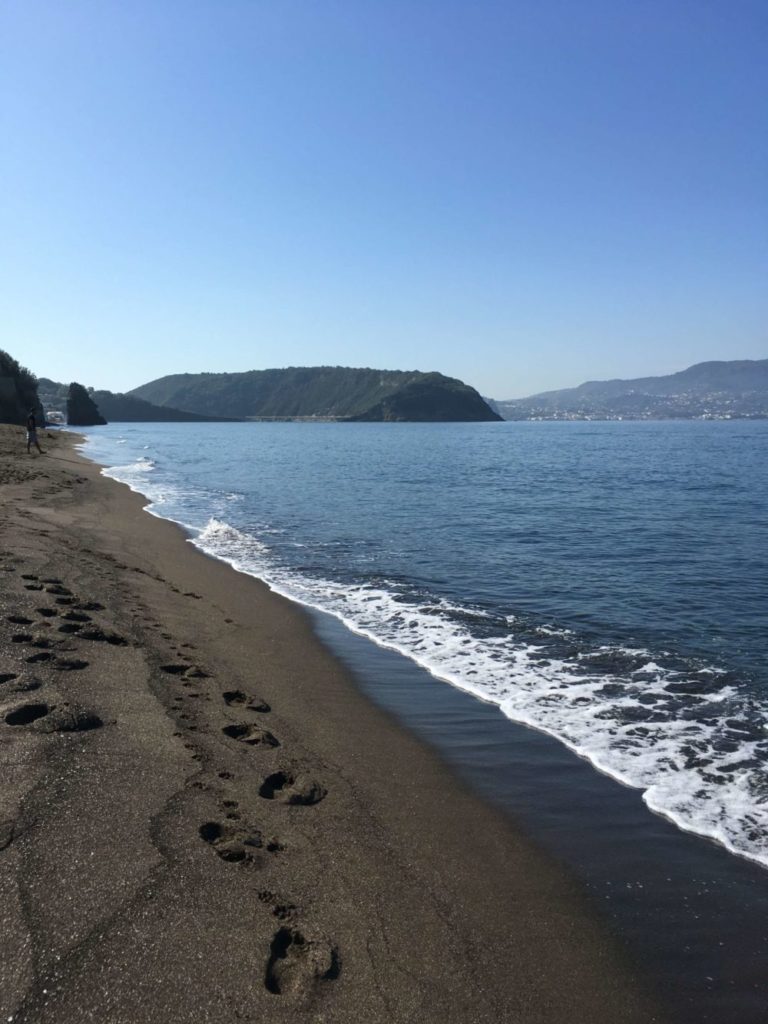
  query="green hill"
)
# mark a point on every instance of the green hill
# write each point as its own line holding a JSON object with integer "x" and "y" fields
{"x": 430, "y": 398}
{"x": 322, "y": 392}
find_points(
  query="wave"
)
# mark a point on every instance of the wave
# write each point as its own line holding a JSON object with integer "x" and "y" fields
{"x": 241, "y": 550}
{"x": 133, "y": 473}
{"x": 684, "y": 733}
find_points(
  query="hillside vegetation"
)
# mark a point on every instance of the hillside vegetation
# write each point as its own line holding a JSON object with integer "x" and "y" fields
{"x": 18, "y": 391}
{"x": 82, "y": 411}
{"x": 324, "y": 392}
{"x": 430, "y": 398}
{"x": 118, "y": 408}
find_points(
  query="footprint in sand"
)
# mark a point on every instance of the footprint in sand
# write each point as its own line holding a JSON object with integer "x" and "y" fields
{"x": 65, "y": 717}
{"x": 233, "y": 842}
{"x": 23, "y": 686}
{"x": 70, "y": 718}
{"x": 103, "y": 636}
{"x": 230, "y": 806}
{"x": 184, "y": 669}
{"x": 76, "y": 616}
{"x": 236, "y": 841}
{"x": 70, "y": 664}
{"x": 174, "y": 670}
{"x": 41, "y": 642}
{"x": 236, "y": 698}
{"x": 299, "y": 964}
{"x": 247, "y": 732}
{"x": 282, "y": 911}
{"x": 26, "y": 714}
{"x": 297, "y": 790}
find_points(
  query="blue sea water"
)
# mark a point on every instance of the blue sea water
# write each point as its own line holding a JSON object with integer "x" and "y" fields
{"x": 604, "y": 582}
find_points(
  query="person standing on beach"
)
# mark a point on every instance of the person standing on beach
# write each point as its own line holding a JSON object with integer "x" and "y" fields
{"x": 32, "y": 433}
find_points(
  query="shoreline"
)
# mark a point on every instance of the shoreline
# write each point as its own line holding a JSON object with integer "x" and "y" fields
{"x": 687, "y": 913}
{"x": 530, "y": 649}
{"x": 275, "y": 868}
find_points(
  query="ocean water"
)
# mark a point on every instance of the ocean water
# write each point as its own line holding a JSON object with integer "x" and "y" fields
{"x": 606, "y": 583}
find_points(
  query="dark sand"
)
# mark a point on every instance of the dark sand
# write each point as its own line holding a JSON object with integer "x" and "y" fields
{"x": 172, "y": 851}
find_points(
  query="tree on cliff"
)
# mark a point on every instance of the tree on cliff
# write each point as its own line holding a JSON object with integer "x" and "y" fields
{"x": 82, "y": 411}
{"x": 18, "y": 391}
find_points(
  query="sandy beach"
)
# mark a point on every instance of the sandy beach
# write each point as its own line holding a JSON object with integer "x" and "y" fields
{"x": 202, "y": 818}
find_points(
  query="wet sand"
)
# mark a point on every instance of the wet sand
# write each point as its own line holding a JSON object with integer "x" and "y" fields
{"x": 203, "y": 819}
{"x": 687, "y": 913}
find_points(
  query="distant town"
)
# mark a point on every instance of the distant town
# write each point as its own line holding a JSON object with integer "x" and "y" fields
{"x": 736, "y": 389}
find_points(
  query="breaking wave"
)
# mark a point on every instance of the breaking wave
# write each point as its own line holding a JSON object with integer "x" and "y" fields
{"x": 686, "y": 732}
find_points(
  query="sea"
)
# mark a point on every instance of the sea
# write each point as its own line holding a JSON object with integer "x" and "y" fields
{"x": 603, "y": 585}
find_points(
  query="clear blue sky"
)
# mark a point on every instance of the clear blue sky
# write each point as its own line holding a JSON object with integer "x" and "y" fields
{"x": 524, "y": 194}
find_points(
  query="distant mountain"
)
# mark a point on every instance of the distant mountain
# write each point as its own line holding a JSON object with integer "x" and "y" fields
{"x": 321, "y": 392}
{"x": 733, "y": 389}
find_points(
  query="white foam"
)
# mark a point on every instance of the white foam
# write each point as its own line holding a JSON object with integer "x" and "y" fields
{"x": 617, "y": 707}
{"x": 638, "y": 732}
{"x": 241, "y": 550}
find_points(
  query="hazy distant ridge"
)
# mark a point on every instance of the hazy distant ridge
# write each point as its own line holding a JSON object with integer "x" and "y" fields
{"x": 718, "y": 390}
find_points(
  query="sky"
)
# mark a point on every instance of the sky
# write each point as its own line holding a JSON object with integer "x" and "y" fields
{"x": 523, "y": 194}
